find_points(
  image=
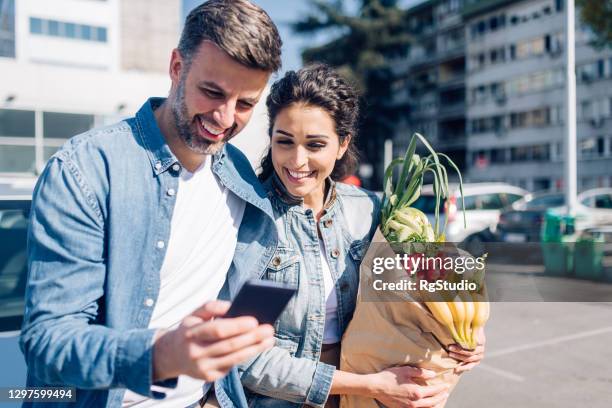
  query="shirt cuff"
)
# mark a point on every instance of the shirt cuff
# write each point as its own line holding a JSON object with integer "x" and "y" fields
{"x": 134, "y": 364}
{"x": 321, "y": 385}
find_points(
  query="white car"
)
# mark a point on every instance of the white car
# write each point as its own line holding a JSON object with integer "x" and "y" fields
{"x": 599, "y": 204}
{"x": 483, "y": 203}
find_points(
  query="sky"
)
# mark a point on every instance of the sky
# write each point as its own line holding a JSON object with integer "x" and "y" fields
{"x": 284, "y": 12}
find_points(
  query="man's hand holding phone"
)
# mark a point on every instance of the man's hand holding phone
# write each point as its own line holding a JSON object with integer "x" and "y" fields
{"x": 207, "y": 346}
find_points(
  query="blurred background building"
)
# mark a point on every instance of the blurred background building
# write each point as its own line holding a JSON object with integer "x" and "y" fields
{"x": 485, "y": 83}
{"x": 482, "y": 80}
{"x": 69, "y": 65}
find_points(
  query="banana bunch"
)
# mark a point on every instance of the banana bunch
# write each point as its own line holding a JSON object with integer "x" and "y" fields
{"x": 464, "y": 314}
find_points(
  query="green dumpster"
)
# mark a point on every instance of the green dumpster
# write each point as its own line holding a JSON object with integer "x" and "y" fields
{"x": 588, "y": 256}
{"x": 558, "y": 238}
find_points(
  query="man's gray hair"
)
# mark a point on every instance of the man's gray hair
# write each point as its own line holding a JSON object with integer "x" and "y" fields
{"x": 240, "y": 28}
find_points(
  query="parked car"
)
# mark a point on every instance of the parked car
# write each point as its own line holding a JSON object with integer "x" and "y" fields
{"x": 522, "y": 222}
{"x": 599, "y": 204}
{"x": 14, "y": 213}
{"x": 483, "y": 203}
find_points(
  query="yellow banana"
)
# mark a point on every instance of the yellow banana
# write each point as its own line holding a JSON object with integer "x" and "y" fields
{"x": 441, "y": 311}
{"x": 481, "y": 315}
{"x": 469, "y": 316}
{"x": 457, "y": 309}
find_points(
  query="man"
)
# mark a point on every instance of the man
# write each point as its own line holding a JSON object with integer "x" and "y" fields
{"x": 134, "y": 227}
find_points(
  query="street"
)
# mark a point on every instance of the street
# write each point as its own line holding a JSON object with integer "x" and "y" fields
{"x": 543, "y": 354}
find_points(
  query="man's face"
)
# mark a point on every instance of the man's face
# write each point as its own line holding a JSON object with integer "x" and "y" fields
{"x": 213, "y": 98}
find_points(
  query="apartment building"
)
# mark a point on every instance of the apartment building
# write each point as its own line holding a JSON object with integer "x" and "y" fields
{"x": 515, "y": 93}
{"x": 69, "y": 65}
{"x": 485, "y": 83}
{"x": 430, "y": 81}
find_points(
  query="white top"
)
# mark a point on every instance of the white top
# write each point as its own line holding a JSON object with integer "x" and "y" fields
{"x": 202, "y": 241}
{"x": 331, "y": 333}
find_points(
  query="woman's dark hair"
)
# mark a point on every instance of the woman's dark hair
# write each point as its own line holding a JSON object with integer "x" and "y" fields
{"x": 321, "y": 86}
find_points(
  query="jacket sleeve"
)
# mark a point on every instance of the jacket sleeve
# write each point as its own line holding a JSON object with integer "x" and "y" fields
{"x": 275, "y": 373}
{"x": 62, "y": 339}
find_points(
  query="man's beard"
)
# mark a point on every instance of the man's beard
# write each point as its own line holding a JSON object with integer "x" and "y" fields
{"x": 185, "y": 130}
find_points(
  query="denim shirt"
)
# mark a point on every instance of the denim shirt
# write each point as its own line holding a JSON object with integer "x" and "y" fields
{"x": 98, "y": 234}
{"x": 290, "y": 374}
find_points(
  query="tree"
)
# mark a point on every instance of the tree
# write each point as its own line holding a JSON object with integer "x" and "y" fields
{"x": 597, "y": 14}
{"x": 361, "y": 49}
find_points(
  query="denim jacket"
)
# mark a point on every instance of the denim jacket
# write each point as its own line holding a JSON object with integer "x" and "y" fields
{"x": 290, "y": 374}
{"x": 99, "y": 227}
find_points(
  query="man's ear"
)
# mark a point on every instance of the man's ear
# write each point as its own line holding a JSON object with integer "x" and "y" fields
{"x": 176, "y": 67}
{"x": 343, "y": 147}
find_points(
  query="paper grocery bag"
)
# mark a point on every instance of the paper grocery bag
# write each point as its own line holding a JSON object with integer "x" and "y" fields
{"x": 390, "y": 329}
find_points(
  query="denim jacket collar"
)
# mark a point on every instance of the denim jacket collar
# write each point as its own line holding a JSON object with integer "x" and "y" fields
{"x": 160, "y": 155}
{"x": 280, "y": 196}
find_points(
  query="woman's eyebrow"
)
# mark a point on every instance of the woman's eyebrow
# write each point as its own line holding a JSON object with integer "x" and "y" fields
{"x": 313, "y": 136}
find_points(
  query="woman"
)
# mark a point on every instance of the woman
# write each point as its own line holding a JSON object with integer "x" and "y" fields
{"x": 324, "y": 230}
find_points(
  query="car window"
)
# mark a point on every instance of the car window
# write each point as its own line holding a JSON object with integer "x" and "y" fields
{"x": 603, "y": 201}
{"x": 427, "y": 204}
{"x": 13, "y": 265}
{"x": 510, "y": 198}
{"x": 546, "y": 201}
{"x": 470, "y": 203}
{"x": 489, "y": 202}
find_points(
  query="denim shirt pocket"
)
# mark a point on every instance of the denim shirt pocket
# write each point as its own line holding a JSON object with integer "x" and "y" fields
{"x": 287, "y": 342}
{"x": 284, "y": 266}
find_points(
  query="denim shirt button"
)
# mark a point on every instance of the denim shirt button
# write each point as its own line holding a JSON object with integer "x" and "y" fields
{"x": 276, "y": 261}
{"x": 158, "y": 165}
{"x": 161, "y": 244}
{"x": 176, "y": 167}
{"x": 149, "y": 302}
{"x": 328, "y": 223}
{"x": 335, "y": 253}
{"x": 171, "y": 192}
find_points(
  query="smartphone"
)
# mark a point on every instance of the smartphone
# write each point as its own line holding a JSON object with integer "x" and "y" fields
{"x": 264, "y": 300}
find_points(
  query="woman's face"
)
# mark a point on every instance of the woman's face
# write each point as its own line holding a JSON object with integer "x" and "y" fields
{"x": 305, "y": 148}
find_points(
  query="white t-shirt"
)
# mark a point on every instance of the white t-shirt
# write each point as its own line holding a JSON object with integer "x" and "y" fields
{"x": 202, "y": 241}
{"x": 331, "y": 333}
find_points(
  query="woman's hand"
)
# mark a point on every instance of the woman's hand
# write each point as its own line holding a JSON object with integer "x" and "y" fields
{"x": 395, "y": 387}
{"x": 468, "y": 358}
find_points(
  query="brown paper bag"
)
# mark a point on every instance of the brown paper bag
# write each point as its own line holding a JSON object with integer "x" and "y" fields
{"x": 390, "y": 329}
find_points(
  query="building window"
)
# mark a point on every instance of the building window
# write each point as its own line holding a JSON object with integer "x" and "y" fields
{"x": 85, "y": 32}
{"x": 70, "y": 30}
{"x": 16, "y": 123}
{"x": 7, "y": 28}
{"x": 59, "y": 125}
{"x": 498, "y": 156}
{"x": 55, "y": 28}
{"x": 101, "y": 34}
{"x": 17, "y": 159}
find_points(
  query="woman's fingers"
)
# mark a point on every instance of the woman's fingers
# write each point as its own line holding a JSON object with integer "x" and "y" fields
{"x": 464, "y": 367}
{"x": 431, "y": 402}
{"x": 457, "y": 350}
{"x": 466, "y": 359}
